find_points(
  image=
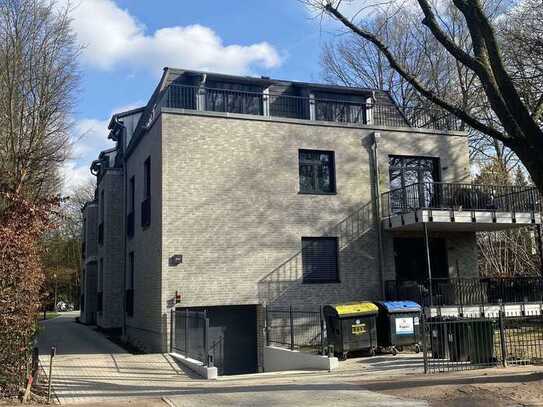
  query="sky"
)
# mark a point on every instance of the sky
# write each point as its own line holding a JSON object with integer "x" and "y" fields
{"x": 126, "y": 43}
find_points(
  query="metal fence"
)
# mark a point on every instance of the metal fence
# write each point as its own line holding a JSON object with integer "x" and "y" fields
{"x": 190, "y": 335}
{"x": 316, "y": 107}
{"x": 453, "y": 344}
{"x": 296, "y": 329}
{"x": 466, "y": 291}
{"x": 456, "y": 196}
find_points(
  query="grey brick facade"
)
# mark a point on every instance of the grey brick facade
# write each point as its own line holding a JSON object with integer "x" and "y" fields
{"x": 225, "y": 194}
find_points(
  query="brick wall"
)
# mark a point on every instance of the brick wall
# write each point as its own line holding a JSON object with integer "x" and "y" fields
{"x": 111, "y": 251}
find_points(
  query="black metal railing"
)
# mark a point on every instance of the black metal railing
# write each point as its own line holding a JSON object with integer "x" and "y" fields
{"x": 455, "y": 196}
{"x": 303, "y": 107}
{"x": 146, "y": 212}
{"x": 190, "y": 336}
{"x": 101, "y": 233}
{"x": 466, "y": 291}
{"x": 452, "y": 344}
{"x": 296, "y": 329}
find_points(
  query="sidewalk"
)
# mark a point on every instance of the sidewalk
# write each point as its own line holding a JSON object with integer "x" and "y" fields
{"x": 90, "y": 368}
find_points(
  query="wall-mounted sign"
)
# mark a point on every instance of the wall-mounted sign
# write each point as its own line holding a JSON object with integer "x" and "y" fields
{"x": 175, "y": 260}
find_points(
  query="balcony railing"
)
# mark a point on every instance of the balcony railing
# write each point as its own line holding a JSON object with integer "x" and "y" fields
{"x": 460, "y": 197}
{"x": 466, "y": 291}
{"x": 305, "y": 108}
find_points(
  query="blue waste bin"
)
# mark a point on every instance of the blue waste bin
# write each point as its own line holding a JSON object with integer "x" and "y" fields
{"x": 398, "y": 325}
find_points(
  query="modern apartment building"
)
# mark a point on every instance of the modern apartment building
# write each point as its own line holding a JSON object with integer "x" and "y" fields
{"x": 229, "y": 194}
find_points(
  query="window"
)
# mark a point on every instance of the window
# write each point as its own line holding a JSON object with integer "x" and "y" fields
{"x": 130, "y": 286}
{"x": 320, "y": 259}
{"x": 317, "y": 172}
{"x": 412, "y": 181}
{"x": 146, "y": 203}
{"x": 101, "y": 216}
{"x": 131, "y": 205}
{"x": 99, "y": 295}
{"x": 147, "y": 178}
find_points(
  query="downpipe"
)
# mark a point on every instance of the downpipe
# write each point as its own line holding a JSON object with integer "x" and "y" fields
{"x": 374, "y": 149}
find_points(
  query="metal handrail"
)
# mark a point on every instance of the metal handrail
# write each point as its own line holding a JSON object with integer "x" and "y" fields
{"x": 275, "y": 104}
{"x": 472, "y": 197}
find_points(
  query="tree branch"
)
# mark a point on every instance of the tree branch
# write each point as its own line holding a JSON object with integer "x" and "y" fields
{"x": 462, "y": 115}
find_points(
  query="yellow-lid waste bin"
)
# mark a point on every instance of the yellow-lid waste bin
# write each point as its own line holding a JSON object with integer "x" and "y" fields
{"x": 351, "y": 327}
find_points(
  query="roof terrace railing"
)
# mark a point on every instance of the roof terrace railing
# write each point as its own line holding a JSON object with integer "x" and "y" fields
{"x": 313, "y": 107}
{"x": 454, "y": 196}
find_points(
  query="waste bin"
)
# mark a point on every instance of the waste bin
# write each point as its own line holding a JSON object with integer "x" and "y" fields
{"x": 398, "y": 325}
{"x": 449, "y": 338}
{"x": 482, "y": 341}
{"x": 351, "y": 327}
{"x": 462, "y": 340}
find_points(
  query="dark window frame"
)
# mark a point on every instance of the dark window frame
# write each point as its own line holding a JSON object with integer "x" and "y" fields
{"x": 424, "y": 191}
{"x": 146, "y": 203}
{"x": 129, "y": 304}
{"x": 315, "y": 168}
{"x": 311, "y": 240}
{"x": 130, "y": 217}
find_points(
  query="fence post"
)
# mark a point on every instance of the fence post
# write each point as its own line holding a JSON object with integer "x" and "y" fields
{"x": 172, "y": 330}
{"x": 322, "y": 330}
{"x": 291, "y": 328}
{"x": 206, "y": 340}
{"x": 186, "y": 333}
{"x": 267, "y": 327}
{"x": 424, "y": 342}
{"x": 502, "y": 338}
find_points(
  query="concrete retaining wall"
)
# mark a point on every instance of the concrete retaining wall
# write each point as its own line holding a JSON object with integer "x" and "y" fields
{"x": 279, "y": 359}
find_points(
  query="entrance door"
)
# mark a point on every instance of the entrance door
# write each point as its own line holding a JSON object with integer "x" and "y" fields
{"x": 410, "y": 259}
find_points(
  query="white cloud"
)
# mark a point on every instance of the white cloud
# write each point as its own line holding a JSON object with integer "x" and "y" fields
{"x": 113, "y": 38}
{"x": 89, "y": 137}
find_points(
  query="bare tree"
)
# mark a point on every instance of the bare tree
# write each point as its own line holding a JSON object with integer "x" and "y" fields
{"x": 503, "y": 110}
{"x": 38, "y": 81}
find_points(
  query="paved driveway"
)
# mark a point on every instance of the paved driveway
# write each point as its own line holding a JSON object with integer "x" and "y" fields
{"x": 88, "y": 367}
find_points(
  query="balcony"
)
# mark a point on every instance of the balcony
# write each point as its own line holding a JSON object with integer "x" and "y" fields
{"x": 467, "y": 291}
{"x": 460, "y": 207}
{"x": 339, "y": 109}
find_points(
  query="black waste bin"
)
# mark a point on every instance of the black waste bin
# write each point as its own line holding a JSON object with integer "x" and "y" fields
{"x": 351, "y": 327}
{"x": 482, "y": 341}
{"x": 462, "y": 340}
{"x": 449, "y": 338}
{"x": 398, "y": 325}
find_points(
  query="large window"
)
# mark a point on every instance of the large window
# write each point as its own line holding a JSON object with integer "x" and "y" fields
{"x": 320, "y": 259}
{"x": 130, "y": 286}
{"x": 146, "y": 203}
{"x": 317, "y": 172}
{"x": 412, "y": 181}
{"x": 131, "y": 207}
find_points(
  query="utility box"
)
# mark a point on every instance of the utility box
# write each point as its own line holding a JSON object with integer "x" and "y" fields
{"x": 398, "y": 325}
{"x": 351, "y": 327}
